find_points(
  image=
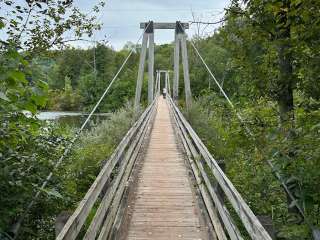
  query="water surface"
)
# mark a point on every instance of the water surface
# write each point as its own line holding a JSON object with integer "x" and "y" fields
{"x": 73, "y": 119}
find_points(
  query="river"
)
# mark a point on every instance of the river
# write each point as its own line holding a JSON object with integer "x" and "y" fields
{"x": 72, "y": 119}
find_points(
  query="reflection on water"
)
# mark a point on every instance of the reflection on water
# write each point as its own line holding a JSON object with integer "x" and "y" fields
{"x": 72, "y": 119}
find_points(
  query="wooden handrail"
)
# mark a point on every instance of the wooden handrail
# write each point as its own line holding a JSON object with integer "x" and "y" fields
{"x": 194, "y": 145}
{"x": 76, "y": 221}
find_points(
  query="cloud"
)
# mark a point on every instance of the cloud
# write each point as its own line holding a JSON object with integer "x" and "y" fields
{"x": 121, "y": 19}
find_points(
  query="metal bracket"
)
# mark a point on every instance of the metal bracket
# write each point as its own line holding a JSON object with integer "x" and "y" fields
{"x": 149, "y": 27}
{"x": 179, "y": 28}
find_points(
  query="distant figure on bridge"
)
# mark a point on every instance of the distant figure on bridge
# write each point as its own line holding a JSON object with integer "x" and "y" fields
{"x": 164, "y": 93}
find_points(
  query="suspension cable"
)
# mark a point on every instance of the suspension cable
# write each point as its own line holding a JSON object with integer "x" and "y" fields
{"x": 275, "y": 171}
{"x": 249, "y": 132}
{"x": 222, "y": 91}
{"x": 69, "y": 147}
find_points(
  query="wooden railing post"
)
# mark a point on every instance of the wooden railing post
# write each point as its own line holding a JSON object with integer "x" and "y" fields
{"x": 181, "y": 41}
{"x": 219, "y": 190}
{"x": 148, "y": 36}
{"x": 176, "y": 67}
{"x": 186, "y": 76}
{"x": 169, "y": 84}
{"x": 143, "y": 55}
{"x": 150, "y": 33}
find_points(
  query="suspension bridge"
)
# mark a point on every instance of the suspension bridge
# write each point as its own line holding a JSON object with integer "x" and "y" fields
{"x": 161, "y": 182}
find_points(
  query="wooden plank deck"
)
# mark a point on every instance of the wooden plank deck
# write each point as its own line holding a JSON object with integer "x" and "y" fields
{"x": 165, "y": 204}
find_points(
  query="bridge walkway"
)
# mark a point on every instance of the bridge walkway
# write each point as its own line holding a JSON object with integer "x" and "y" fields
{"x": 165, "y": 204}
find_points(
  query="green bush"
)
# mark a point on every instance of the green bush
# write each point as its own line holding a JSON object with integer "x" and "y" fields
{"x": 94, "y": 147}
{"x": 69, "y": 100}
{"x": 25, "y": 164}
{"x": 245, "y": 157}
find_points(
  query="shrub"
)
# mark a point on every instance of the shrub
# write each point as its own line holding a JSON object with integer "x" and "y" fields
{"x": 245, "y": 157}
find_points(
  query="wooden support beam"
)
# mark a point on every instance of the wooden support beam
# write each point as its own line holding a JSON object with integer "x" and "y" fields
{"x": 157, "y": 84}
{"x": 176, "y": 68}
{"x": 169, "y": 84}
{"x": 180, "y": 40}
{"x": 164, "y": 25}
{"x": 126, "y": 170}
{"x": 185, "y": 64}
{"x": 141, "y": 70}
{"x": 151, "y": 67}
{"x": 166, "y": 81}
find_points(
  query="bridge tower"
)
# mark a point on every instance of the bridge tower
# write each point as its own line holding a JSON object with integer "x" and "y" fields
{"x": 147, "y": 36}
{"x": 181, "y": 41}
{"x": 180, "y": 44}
{"x": 166, "y": 81}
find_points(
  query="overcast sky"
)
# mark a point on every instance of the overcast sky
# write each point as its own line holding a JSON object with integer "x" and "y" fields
{"x": 121, "y": 18}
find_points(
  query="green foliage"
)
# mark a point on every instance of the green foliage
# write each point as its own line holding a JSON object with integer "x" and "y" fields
{"x": 24, "y": 165}
{"x": 29, "y": 149}
{"x": 39, "y": 25}
{"x": 267, "y": 53}
{"x": 94, "y": 148}
{"x": 66, "y": 99}
{"x": 255, "y": 36}
{"x": 294, "y": 232}
{"x": 226, "y": 139}
{"x": 90, "y": 71}
{"x": 18, "y": 92}
{"x": 23, "y": 169}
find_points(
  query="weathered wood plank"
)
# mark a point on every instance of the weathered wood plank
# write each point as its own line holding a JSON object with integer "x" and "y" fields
{"x": 151, "y": 211}
{"x": 169, "y": 83}
{"x": 105, "y": 231}
{"x": 191, "y": 155}
{"x": 107, "y": 199}
{"x": 176, "y": 68}
{"x": 151, "y": 68}
{"x": 249, "y": 220}
{"x": 76, "y": 221}
{"x": 186, "y": 76}
{"x": 194, "y": 157}
{"x": 232, "y": 229}
{"x": 143, "y": 55}
{"x": 156, "y": 84}
{"x": 162, "y": 25}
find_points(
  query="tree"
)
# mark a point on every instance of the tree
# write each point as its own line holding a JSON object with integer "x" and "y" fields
{"x": 272, "y": 28}
{"x": 36, "y": 25}
{"x": 32, "y": 28}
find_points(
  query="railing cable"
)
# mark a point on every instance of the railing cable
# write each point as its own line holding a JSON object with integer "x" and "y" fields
{"x": 17, "y": 225}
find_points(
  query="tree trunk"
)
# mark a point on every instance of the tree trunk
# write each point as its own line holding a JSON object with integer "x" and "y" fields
{"x": 286, "y": 110}
{"x": 285, "y": 89}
